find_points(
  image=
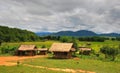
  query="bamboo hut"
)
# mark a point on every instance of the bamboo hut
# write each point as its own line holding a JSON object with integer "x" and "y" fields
{"x": 42, "y": 51}
{"x": 26, "y": 50}
{"x": 62, "y": 50}
{"x": 85, "y": 50}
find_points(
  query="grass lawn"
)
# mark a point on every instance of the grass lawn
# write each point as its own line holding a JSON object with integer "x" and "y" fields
{"x": 84, "y": 64}
{"x": 24, "y": 69}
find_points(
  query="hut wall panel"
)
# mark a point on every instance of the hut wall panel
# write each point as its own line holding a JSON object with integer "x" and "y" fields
{"x": 62, "y": 55}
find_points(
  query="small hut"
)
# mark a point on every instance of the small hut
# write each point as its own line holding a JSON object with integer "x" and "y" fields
{"x": 85, "y": 50}
{"x": 26, "y": 50}
{"x": 62, "y": 50}
{"x": 42, "y": 51}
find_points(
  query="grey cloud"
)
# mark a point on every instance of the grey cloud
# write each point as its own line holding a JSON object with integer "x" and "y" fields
{"x": 57, "y": 15}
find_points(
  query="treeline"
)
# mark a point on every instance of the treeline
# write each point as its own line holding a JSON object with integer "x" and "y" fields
{"x": 116, "y": 38}
{"x": 94, "y": 39}
{"x": 15, "y": 35}
{"x": 90, "y": 39}
{"x": 69, "y": 38}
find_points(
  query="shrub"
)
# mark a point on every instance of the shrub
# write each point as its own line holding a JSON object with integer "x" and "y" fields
{"x": 43, "y": 46}
{"x": 9, "y": 50}
{"x": 109, "y": 52}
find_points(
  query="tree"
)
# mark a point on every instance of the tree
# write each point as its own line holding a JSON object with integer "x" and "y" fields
{"x": 109, "y": 52}
{"x": 13, "y": 35}
{"x": 65, "y": 39}
{"x": 43, "y": 46}
{"x": 75, "y": 45}
{"x": 104, "y": 50}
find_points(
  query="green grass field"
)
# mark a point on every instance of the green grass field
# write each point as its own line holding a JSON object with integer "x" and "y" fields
{"x": 84, "y": 64}
{"x": 25, "y": 69}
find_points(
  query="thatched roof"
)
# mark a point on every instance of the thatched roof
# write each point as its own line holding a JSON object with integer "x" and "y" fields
{"x": 73, "y": 49}
{"x": 27, "y": 47}
{"x": 85, "y": 49}
{"x": 61, "y": 47}
{"x": 42, "y": 49}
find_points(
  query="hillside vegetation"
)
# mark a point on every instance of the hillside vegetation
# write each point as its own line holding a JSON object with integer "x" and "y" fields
{"x": 14, "y": 35}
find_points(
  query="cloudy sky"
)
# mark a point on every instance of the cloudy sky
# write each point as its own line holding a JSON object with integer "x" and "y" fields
{"x": 101, "y": 16}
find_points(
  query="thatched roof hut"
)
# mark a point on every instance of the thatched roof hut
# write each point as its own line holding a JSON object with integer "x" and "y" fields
{"x": 85, "y": 50}
{"x": 29, "y": 50}
{"x": 42, "y": 51}
{"x": 27, "y": 47}
{"x": 62, "y": 50}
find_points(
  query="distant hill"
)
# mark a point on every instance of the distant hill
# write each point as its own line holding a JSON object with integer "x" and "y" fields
{"x": 78, "y": 33}
{"x": 111, "y": 34}
{"x": 14, "y": 34}
{"x": 43, "y": 33}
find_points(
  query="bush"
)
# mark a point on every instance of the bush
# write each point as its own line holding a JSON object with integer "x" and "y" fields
{"x": 43, "y": 46}
{"x": 8, "y": 50}
{"x": 109, "y": 52}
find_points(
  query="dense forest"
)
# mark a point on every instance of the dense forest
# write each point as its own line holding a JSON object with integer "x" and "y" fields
{"x": 15, "y": 35}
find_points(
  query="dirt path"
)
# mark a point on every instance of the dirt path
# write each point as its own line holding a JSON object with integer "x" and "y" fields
{"x": 7, "y": 60}
{"x": 59, "y": 69}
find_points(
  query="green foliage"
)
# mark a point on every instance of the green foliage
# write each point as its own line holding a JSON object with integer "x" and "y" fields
{"x": 65, "y": 39}
{"x": 50, "y": 37}
{"x": 93, "y": 39}
{"x": 8, "y": 50}
{"x": 109, "y": 51}
{"x": 43, "y": 46}
{"x": 118, "y": 38}
{"x": 16, "y": 35}
{"x": 75, "y": 44}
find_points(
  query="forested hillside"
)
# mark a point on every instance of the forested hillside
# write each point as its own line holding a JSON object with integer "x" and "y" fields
{"x": 15, "y": 35}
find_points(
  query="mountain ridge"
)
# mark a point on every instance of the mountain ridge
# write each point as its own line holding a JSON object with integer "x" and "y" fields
{"x": 79, "y": 33}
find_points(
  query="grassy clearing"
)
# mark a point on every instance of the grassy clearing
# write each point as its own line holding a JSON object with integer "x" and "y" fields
{"x": 24, "y": 69}
{"x": 84, "y": 64}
